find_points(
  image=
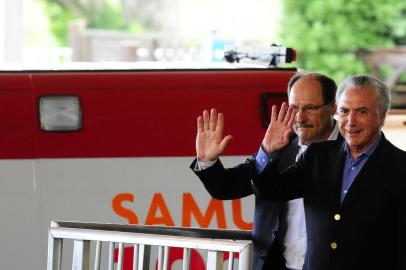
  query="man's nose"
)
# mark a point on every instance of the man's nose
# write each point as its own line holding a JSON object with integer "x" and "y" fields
{"x": 300, "y": 116}
{"x": 352, "y": 118}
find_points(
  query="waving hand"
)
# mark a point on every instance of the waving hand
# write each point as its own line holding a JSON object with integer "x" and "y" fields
{"x": 280, "y": 128}
{"x": 210, "y": 143}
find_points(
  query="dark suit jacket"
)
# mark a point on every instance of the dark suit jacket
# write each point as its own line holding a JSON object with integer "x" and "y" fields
{"x": 368, "y": 227}
{"x": 235, "y": 183}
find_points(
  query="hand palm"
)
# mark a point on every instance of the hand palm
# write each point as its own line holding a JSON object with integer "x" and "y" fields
{"x": 280, "y": 128}
{"x": 210, "y": 143}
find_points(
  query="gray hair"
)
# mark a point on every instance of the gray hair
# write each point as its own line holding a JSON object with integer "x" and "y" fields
{"x": 366, "y": 81}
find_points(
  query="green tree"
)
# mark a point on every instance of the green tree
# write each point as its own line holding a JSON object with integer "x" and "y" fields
{"x": 59, "y": 18}
{"x": 327, "y": 33}
{"x": 99, "y": 14}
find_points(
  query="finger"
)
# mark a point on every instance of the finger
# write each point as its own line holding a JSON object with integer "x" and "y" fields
{"x": 282, "y": 112}
{"x": 205, "y": 120}
{"x": 220, "y": 124}
{"x": 274, "y": 113}
{"x": 213, "y": 119}
{"x": 273, "y": 119}
{"x": 292, "y": 117}
{"x": 199, "y": 124}
{"x": 224, "y": 142}
{"x": 288, "y": 115}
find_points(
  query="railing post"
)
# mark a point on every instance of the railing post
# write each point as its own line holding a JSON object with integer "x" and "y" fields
{"x": 120, "y": 256}
{"x": 186, "y": 259}
{"x": 54, "y": 252}
{"x": 81, "y": 255}
{"x": 144, "y": 257}
{"x": 230, "y": 260}
{"x": 215, "y": 260}
{"x": 97, "y": 255}
{"x": 245, "y": 258}
{"x": 135, "y": 257}
{"x": 160, "y": 257}
{"x": 166, "y": 258}
{"x": 111, "y": 256}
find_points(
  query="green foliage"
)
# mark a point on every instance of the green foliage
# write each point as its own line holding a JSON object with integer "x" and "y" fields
{"x": 399, "y": 27}
{"x": 59, "y": 21}
{"x": 326, "y": 33}
{"x": 104, "y": 14}
{"x": 107, "y": 16}
{"x": 110, "y": 16}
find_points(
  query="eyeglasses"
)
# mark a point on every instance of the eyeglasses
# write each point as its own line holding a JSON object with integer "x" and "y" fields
{"x": 309, "y": 109}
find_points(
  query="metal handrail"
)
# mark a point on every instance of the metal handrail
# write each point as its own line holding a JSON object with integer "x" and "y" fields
{"x": 215, "y": 242}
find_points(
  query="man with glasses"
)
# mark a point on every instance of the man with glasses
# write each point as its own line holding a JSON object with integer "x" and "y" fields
{"x": 279, "y": 233}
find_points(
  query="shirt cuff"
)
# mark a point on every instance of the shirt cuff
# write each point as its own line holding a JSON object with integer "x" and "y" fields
{"x": 262, "y": 159}
{"x": 201, "y": 165}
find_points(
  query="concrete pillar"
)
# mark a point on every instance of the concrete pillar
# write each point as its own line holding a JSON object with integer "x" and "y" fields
{"x": 11, "y": 30}
{"x": 2, "y": 25}
{"x": 77, "y": 40}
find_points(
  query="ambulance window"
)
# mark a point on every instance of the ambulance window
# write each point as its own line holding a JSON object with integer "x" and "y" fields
{"x": 60, "y": 113}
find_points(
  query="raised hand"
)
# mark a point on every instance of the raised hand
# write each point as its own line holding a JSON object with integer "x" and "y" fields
{"x": 280, "y": 128}
{"x": 210, "y": 143}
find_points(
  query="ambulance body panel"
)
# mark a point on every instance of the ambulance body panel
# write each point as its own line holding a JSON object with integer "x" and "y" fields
{"x": 129, "y": 160}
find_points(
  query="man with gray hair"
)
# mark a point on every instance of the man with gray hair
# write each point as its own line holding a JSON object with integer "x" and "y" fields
{"x": 354, "y": 191}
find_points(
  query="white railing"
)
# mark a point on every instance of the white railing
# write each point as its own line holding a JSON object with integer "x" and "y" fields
{"x": 142, "y": 238}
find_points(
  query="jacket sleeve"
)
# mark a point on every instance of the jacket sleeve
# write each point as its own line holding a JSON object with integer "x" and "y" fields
{"x": 401, "y": 217}
{"x": 401, "y": 248}
{"x": 275, "y": 185}
{"x": 227, "y": 183}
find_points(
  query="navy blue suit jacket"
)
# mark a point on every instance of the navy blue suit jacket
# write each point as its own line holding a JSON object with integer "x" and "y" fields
{"x": 235, "y": 183}
{"x": 365, "y": 231}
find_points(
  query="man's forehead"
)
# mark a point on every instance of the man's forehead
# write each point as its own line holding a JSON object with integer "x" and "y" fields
{"x": 355, "y": 98}
{"x": 307, "y": 82}
{"x": 305, "y": 95}
{"x": 352, "y": 107}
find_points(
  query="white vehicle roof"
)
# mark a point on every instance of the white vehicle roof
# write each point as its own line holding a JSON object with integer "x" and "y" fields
{"x": 128, "y": 66}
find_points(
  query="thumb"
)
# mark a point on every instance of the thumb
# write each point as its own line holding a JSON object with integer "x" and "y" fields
{"x": 224, "y": 142}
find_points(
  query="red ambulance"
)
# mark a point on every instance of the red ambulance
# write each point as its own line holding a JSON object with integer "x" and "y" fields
{"x": 114, "y": 145}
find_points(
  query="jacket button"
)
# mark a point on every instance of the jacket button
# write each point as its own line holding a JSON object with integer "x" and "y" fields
{"x": 337, "y": 217}
{"x": 333, "y": 245}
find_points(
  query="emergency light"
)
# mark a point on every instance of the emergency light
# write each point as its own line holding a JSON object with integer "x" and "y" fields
{"x": 273, "y": 56}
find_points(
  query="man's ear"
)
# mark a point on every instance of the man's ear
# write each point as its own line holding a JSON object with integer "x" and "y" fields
{"x": 333, "y": 109}
{"x": 382, "y": 118}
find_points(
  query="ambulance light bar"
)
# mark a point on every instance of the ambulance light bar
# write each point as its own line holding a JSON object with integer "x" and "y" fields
{"x": 273, "y": 56}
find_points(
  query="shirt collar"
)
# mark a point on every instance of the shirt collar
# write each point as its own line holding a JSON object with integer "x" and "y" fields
{"x": 369, "y": 150}
{"x": 334, "y": 134}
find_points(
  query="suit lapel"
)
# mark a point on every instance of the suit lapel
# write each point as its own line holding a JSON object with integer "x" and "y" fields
{"x": 336, "y": 175}
{"x": 366, "y": 178}
{"x": 289, "y": 155}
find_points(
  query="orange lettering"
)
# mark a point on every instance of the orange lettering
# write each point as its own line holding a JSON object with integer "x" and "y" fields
{"x": 215, "y": 207}
{"x": 237, "y": 217}
{"x": 122, "y": 211}
{"x": 158, "y": 203}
